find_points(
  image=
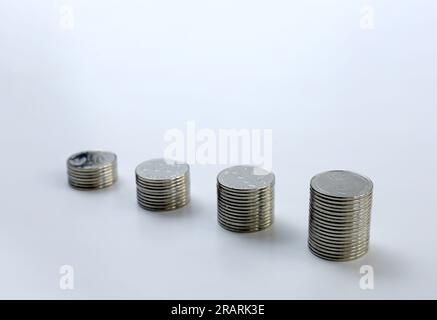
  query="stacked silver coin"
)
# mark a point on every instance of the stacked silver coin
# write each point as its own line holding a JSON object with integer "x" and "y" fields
{"x": 245, "y": 197}
{"x": 339, "y": 222}
{"x": 89, "y": 170}
{"x": 162, "y": 184}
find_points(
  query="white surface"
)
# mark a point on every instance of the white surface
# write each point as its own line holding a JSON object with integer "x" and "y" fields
{"x": 336, "y": 97}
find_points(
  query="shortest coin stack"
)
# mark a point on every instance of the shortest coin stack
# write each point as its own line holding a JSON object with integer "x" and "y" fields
{"x": 162, "y": 184}
{"x": 245, "y": 197}
{"x": 90, "y": 170}
{"x": 340, "y": 206}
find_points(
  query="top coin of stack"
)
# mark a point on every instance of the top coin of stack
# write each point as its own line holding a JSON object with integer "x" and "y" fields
{"x": 340, "y": 207}
{"x": 89, "y": 170}
{"x": 162, "y": 184}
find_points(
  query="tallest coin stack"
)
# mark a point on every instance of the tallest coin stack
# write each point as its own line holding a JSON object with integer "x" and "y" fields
{"x": 340, "y": 206}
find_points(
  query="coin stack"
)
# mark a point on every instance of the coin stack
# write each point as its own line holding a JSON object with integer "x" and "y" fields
{"x": 339, "y": 222}
{"x": 245, "y": 197}
{"x": 162, "y": 184}
{"x": 89, "y": 170}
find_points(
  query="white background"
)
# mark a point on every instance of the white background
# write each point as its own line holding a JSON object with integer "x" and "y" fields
{"x": 336, "y": 96}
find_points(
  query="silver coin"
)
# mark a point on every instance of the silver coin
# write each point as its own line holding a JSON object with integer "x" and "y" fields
{"x": 342, "y": 184}
{"x": 161, "y": 169}
{"x": 91, "y": 160}
{"x": 245, "y": 178}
